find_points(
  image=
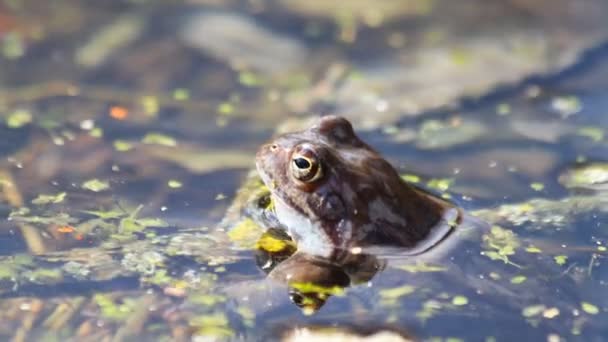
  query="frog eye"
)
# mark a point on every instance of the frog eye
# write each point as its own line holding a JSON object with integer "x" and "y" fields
{"x": 305, "y": 166}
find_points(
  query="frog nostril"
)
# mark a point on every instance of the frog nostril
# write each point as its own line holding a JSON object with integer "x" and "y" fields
{"x": 274, "y": 147}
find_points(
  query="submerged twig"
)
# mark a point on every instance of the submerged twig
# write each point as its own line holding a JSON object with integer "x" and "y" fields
{"x": 63, "y": 313}
{"x": 136, "y": 321}
{"x": 590, "y": 267}
{"x": 31, "y": 234}
{"x": 36, "y": 307}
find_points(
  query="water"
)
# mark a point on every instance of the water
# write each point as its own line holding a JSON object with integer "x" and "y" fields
{"x": 129, "y": 126}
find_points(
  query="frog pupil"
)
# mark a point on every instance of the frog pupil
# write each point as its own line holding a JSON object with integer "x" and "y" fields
{"x": 302, "y": 163}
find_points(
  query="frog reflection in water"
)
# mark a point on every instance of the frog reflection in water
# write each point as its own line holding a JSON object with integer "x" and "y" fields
{"x": 334, "y": 194}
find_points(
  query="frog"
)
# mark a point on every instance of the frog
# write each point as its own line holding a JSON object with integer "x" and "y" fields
{"x": 335, "y": 194}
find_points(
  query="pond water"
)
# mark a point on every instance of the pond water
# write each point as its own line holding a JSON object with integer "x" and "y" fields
{"x": 128, "y": 130}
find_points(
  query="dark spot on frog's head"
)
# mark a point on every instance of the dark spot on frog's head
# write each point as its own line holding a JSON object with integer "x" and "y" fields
{"x": 337, "y": 130}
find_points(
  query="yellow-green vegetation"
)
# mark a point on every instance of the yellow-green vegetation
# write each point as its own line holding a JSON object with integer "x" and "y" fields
{"x": 590, "y": 176}
{"x": 12, "y": 266}
{"x": 249, "y": 79}
{"x": 429, "y": 309}
{"x": 114, "y": 311}
{"x": 533, "y": 310}
{"x": 13, "y": 45}
{"x": 460, "y": 300}
{"x": 594, "y": 133}
{"x": 181, "y": 94}
{"x": 411, "y": 178}
{"x": 306, "y": 287}
{"x": 159, "y": 139}
{"x": 96, "y": 185}
{"x": 25, "y": 215}
{"x": 503, "y": 109}
{"x": 566, "y": 105}
{"x": 590, "y": 308}
{"x": 533, "y": 249}
{"x": 96, "y": 132}
{"x": 537, "y": 186}
{"x": 435, "y": 134}
{"x": 49, "y": 199}
{"x": 247, "y": 315}
{"x": 225, "y": 108}
{"x": 150, "y": 104}
{"x": 500, "y": 244}
{"x": 122, "y": 145}
{"x": 246, "y": 234}
{"x": 272, "y": 244}
{"x": 441, "y": 184}
{"x": 18, "y": 118}
{"x": 421, "y": 267}
{"x": 518, "y": 279}
{"x": 560, "y": 259}
{"x": 206, "y": 299}
{"x": 174, "y": 184}
{"x": 212, "y": 325}
{"x": 391, "y": 296}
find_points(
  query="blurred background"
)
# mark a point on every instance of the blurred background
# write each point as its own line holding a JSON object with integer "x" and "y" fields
{"x": 125, "y": 121}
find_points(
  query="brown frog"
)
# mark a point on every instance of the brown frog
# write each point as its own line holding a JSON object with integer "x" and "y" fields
{"x": 333, "y": 192}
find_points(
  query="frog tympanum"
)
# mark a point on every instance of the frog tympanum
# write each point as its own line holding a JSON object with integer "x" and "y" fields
{"x": 333, "y": 192}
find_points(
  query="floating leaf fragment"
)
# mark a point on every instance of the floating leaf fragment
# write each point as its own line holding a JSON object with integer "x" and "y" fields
{"x": 551, "y": 313}
{"x": 206, "y": 299}
{"x": 215, "y": 324}
{"x": 47, "y": 199}
{"x": 441, "y": 184}
{"x": 181, "y": 94}
{"x": 594, "y": 133}
{"x": 96, "y": 132}
{"x": 122, "y": 145}
{"x": 109, "y": 214}
{"x": 18, "y": 118}
{"x": 411, "y": 178}
{"x": 533, "y": 249}
{"x": 592, "y": 176}
{"x": 13, "y": 45}
{"x": 249, "y": 79}
{"x": 566, "y": 105}
{"x": 518, "y": 279}
{"x": 397, "y": 292}
{"x": 225, "y": 108}
{"x": 460, "y": 300}
{"x": 151, "y": 222}
{"x": 159, "y": 139}
{"x": 560, "y": 259}
{"x": 537, "y": 186}
{"x": 590, "y": 308}
{"x": 533, "y": 310}
{"x": 502, "y": 243}
{"x": 96, "y": 185}
{"x": 174, "y": 184}
{"x": 150, "y": 104}
{"x": 422, "y": 267}
{"x": 503, "y": 109}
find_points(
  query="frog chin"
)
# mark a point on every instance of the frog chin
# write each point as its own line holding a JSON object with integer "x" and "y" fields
{"x": 309, "y": 236}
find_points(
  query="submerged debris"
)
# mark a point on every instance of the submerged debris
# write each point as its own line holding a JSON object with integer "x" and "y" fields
{"x": 591, "y": 176}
